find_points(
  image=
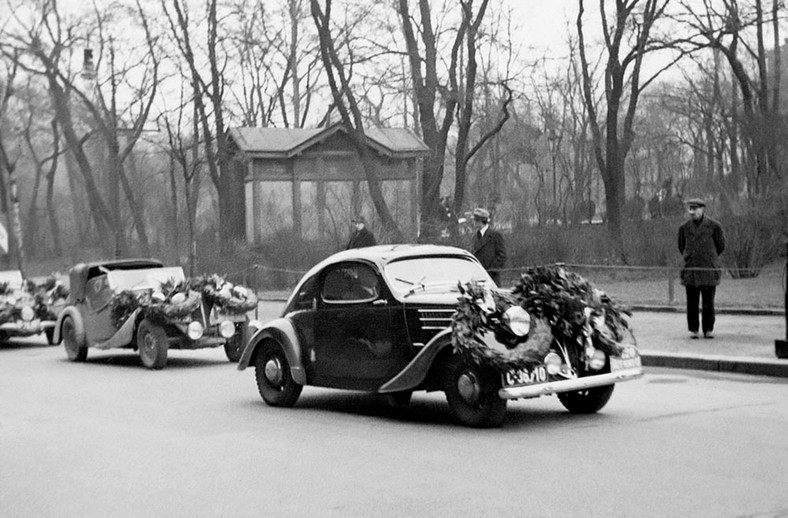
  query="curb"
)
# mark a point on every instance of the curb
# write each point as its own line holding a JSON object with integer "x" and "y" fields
{"x": 718, "y": 310}
{"x": 737, "y": 365}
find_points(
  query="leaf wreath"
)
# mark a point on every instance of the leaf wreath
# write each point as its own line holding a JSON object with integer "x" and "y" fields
{"x": 562, "y": 305}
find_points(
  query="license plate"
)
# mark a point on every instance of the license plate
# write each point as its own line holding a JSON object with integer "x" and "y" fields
{"x": 619, "y": 364}
{"x": 522, "y": 377}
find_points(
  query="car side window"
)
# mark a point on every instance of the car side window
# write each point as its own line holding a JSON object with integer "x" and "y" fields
{"x": 97, "y": 292}
{"x": 350, "y": 283}
{"x": 306, "y": 295}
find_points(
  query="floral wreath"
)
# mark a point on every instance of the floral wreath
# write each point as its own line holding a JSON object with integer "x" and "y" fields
{"x": 223, "y": 295}
{"x": 563, "y": 307}
{"x": 173, "y": 300}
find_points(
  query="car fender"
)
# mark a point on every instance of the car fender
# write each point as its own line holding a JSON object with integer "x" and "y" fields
{"x": 79, "y": 326}
{"x": 416, "y": 371}
{"x": 282, "y": 331}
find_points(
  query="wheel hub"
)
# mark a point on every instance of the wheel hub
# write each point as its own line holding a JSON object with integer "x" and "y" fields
{"x": 273, "y": 371}
{"x": 468, "y": 386}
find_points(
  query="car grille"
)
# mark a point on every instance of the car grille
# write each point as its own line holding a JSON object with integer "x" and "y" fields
{"x": 435, "y": 319}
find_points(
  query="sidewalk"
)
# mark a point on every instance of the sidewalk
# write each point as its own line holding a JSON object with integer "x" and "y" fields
{"x": 743, "y": 338}
{"x": 743, "y": 341}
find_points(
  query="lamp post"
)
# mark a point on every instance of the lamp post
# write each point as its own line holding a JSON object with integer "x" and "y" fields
{"x": 554, "y": 141}
{"x": 89, "y": 74}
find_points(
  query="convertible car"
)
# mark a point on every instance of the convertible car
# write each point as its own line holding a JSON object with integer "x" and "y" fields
{"x": 26, "y": 309}
{"x": 399, "y": 318}
{"x": 143, "y": 305}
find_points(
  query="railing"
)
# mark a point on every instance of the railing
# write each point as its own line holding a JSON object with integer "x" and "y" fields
{"x": 631, "y": 285}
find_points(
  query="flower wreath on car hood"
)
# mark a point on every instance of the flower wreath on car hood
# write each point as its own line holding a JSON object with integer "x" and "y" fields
{"x": 563, "y": 306}
{"x": 41, "y": 297}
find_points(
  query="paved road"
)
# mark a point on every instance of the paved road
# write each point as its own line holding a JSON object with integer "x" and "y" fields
{"x": 109, "y": 438}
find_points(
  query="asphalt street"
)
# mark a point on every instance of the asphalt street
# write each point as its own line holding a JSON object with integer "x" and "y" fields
{"x": 109, "y": 438}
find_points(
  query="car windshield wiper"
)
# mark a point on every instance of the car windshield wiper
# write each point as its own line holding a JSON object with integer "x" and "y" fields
{"x": 425, "y": 287}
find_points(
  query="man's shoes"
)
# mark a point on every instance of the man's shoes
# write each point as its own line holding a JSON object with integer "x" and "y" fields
{"x": 708, "y": 334}
{"x": 694, "y": 335}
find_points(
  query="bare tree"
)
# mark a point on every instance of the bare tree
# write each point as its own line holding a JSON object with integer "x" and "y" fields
{"x": 339, "y": 79}
{"x": 632, "y": 20}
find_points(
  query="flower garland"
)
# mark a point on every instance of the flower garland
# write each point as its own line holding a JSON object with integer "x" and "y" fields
{"x": 178, "y": 299}
{"x": 562, "y": 305}
{"x": 223, "y": 295}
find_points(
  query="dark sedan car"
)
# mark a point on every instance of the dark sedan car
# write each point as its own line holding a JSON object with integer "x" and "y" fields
{"x": 379, "y": 319}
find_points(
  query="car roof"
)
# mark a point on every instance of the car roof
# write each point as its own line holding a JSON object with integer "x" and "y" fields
{"x": 81, "y": 272}
{"x": 384, "y": 254}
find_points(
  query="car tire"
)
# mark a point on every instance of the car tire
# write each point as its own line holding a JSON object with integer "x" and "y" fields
{"x": 50, "y": 334}
{"x": 472, "y": 393}
{"x": 398, "y": 400}
{"x": 234, "y": 346}
{"x": 152, "y": 344}
{"x": 73, "y": 342}
{"x": 274, "y": 380}
{"x": 587, "y": 401}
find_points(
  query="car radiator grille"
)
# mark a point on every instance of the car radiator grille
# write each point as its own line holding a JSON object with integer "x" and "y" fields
{"x": 435, "y": 319}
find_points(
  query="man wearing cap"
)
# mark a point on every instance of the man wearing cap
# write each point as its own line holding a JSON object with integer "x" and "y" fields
{"x": 360, "y": 236}
{"x": 701, "y": 241}
{"x": 488, "y": 245}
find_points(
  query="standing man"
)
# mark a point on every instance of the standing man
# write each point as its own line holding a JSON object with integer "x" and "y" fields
{"x": 360, "y": 236}
{"x": 701, "y": 242}
{"x": 488, "y": 245}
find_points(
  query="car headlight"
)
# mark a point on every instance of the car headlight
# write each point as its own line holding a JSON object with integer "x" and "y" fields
{"x": 517, "y": 320}
{"x": 227, "y": 329}
{"x": 27, "y": 313}
{"x": 194, "y": 330}
{"x": 553, "y": 363}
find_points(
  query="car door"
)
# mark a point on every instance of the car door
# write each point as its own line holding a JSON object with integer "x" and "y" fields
{"x": 354, "y": 344}
{"x": 98, "y": 320}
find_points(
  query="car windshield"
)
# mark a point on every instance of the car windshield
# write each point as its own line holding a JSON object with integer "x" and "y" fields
{"x": 145, "y": 279}
{"x": 405, "y": 275}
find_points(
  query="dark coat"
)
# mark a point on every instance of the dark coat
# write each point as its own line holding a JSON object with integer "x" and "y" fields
{"x": 361, "y": 238}
{"x": 490, "y": 250}
{"x": 701, "y": 244}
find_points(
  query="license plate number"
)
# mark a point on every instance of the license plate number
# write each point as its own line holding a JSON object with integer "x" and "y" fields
{"x": 618, "y": 364}
{"x": 521, "y": 377}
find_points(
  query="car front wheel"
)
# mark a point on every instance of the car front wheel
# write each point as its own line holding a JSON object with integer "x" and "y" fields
{"x": 50, "y": 334}
{"x": 274, "y": 380}
{"x": 472, "y": 393}
{"x": 587, "y": 401}
{"x": 76, "y": 349}
{"x": 152, "y": 344}
{"x": 234, "y": 346}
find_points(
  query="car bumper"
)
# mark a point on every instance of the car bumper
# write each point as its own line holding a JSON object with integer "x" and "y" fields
{"x": 26, "y": 328}
{"x": 571, "y": 385}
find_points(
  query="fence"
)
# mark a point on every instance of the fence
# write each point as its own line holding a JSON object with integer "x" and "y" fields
{"x": 631, "y": 285}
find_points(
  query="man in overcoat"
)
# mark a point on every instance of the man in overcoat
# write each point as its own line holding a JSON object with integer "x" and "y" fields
{"x": 360, "y": 237}
{"x": 701, "y": 241}
{"x": 488, "y": 245}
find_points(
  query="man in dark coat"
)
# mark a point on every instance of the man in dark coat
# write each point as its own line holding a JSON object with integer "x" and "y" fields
{"x": 701, "y": 241}
{"x": 360, "y": 237}
{"x": 488, "y": 245}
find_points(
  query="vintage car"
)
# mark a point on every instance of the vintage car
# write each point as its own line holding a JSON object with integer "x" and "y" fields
{"x": 26, "y": 309}
{"x": 143, "y": 305}
{"x": 394, "y": 319}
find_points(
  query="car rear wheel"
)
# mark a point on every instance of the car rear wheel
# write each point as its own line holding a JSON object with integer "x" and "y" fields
{"x": 472, "y": 393}
{"x": 76, "y": 348}
{"x": 274, "y": 380}
{"x": 587, "y": 401}
{"x": 152, "y": 344}
{"x": 234, "y": 346}
{"x": 50, "y": 334}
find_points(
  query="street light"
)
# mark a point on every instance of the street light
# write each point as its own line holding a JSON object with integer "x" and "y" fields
{"x": 554, "y": 141}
